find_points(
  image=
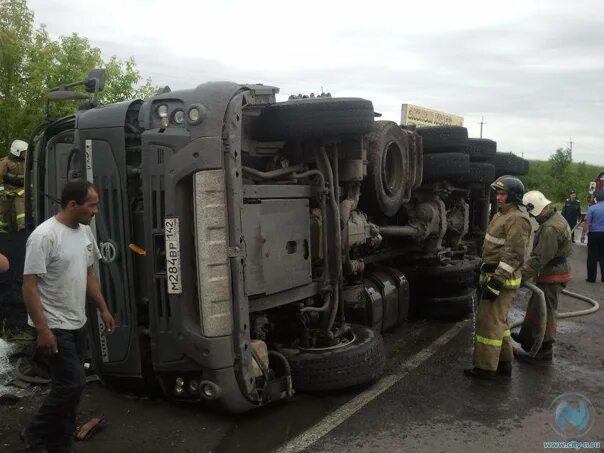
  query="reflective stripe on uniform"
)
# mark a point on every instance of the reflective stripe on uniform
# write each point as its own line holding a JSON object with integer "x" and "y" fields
{"x": 506, "y": 267}
{"x": 20, "y": 216}
{"x": 507, "y": 333}
{"x": 494, "y": 240}
{"x": 488, "y": 341}
{"x": 512, "y": 283}
{"x": 21, "y": 192}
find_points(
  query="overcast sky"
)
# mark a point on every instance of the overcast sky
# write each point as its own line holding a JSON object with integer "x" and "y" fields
{"x": 533, "y": 69}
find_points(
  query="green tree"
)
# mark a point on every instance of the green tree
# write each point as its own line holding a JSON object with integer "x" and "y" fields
{"x": 569, "y": 176}
{"x": 560, "y": 160}
{"x": 31, "y": 63}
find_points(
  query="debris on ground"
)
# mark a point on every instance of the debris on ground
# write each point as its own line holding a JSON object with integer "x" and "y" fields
{"x": 6, "y": 369}
{"x": 88, "y": 428}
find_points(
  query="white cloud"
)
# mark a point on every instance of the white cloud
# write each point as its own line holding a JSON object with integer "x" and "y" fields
{"x": 534, "y": 69}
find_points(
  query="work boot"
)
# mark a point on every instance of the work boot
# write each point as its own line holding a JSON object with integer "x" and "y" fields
{"x": 479, "y": 373}
{"x": 504, "y": 369}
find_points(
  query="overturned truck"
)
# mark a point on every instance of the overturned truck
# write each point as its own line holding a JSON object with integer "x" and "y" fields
{"x": 252, "y": 248}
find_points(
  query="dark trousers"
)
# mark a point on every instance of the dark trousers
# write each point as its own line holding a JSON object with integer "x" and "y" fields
{"x": 54, "y": 425}
{"x": 595, "y": 255}
{"x": 572, "y": 232}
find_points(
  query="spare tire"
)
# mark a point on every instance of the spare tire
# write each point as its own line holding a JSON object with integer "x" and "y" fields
{"x": 481, "y": 149}
{"x": 311, "y": 118}
{"x": 385, "y": 187}
{"x": 359, "y": 361}
{"x": 444, "y": 139}
{"x": 445, "y": 166}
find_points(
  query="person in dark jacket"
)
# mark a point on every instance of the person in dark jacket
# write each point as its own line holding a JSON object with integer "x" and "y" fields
{"x": 572, "y": 212}
{"x": 549, "y": 267}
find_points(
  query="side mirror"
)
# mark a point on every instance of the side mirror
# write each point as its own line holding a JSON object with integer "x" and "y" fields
{"x": 95, "y": 82}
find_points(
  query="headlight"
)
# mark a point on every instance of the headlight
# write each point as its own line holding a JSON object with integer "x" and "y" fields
{"x": 162, "y": 111}
{"x": 178, "y": 116}
{"x": 196, "y": 114}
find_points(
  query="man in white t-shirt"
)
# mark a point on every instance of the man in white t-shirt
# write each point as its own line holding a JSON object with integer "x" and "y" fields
{"x": 57, "y": 277}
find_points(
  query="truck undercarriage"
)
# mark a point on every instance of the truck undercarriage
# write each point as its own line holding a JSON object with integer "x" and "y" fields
{"x": 252, "y": 248}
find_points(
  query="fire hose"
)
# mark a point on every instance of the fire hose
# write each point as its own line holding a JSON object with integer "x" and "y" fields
{"x": 595, "y": 306}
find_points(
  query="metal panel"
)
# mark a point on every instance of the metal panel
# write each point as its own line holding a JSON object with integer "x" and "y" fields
{"x": 213, "y": 272}
{"x": 254, "y": 279}
{"x": 276, "y": 191}
{"x": 285, "y": 230}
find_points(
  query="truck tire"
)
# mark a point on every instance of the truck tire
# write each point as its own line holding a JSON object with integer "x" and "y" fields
{"x": 438, "y": 280}
{"x": 444, "y": 139}
{"x": 524, "y": 167}
{"x": 387, "y": 169}
{"x": 445, "y": 166}
{"x": 507, "y": 164}
{"x": 359, "y": 362}
{"x": 311, "y": 118}
{"x": 449, "y": 307}
{"x": 481, "y": 149}
{"x": 480, "y": 172}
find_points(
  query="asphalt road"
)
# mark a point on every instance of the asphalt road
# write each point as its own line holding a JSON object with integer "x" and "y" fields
{"x": 423, "y": 403}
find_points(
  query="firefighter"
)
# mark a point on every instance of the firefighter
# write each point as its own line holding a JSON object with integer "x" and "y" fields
{"x": 12, "y": 171}
{"x": 548, "y": 265}
{"x": 505, "y": 248}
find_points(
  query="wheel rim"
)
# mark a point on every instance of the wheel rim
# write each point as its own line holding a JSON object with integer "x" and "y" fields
{"x": 392, "y": 169}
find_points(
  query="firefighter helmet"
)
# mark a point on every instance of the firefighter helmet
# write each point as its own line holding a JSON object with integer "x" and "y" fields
{"x": 535, "y": 202}
{"x": 18, "y": 147}
{"x": 512, "y": 185}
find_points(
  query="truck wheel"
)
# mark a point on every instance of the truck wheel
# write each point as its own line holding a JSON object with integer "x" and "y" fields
{"x": 481, "y": 149}
{"x": 439, "y": 280}
{"x": 507, "y": 164}
{"x": 317, "y": 117}
{"x": 480, "y": 172}
{"x": 387, "y": 169}
{"x": 359, "y": 361}
{"x": 444, "y": 139}
{"x": 445, "y": 166}
{"x": 449, "y": 307}
{"x": 524, "y": 167}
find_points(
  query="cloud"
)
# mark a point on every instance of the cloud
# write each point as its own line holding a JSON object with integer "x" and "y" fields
{"x": 534, "y": 70}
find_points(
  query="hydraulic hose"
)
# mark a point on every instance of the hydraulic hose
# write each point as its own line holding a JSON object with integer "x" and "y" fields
{"x": 273, "y": 174}
{"x": 595, "y": 306}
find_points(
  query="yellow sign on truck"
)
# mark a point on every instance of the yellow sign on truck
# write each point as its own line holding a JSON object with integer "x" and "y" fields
{"x": 422, "y": 116}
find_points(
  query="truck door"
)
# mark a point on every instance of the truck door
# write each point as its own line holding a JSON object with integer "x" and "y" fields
{"x": 95, "y": 150}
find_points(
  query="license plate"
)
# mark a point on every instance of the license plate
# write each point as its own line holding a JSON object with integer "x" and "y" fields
{"x": 172, "y": 234}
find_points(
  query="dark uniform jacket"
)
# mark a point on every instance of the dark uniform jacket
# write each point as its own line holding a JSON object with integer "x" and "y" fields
{"x": 548, "y": 262}
{"x": 571, "y": 211}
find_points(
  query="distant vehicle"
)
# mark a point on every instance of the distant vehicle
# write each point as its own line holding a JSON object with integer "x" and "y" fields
{"x": 252, "y": 247}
